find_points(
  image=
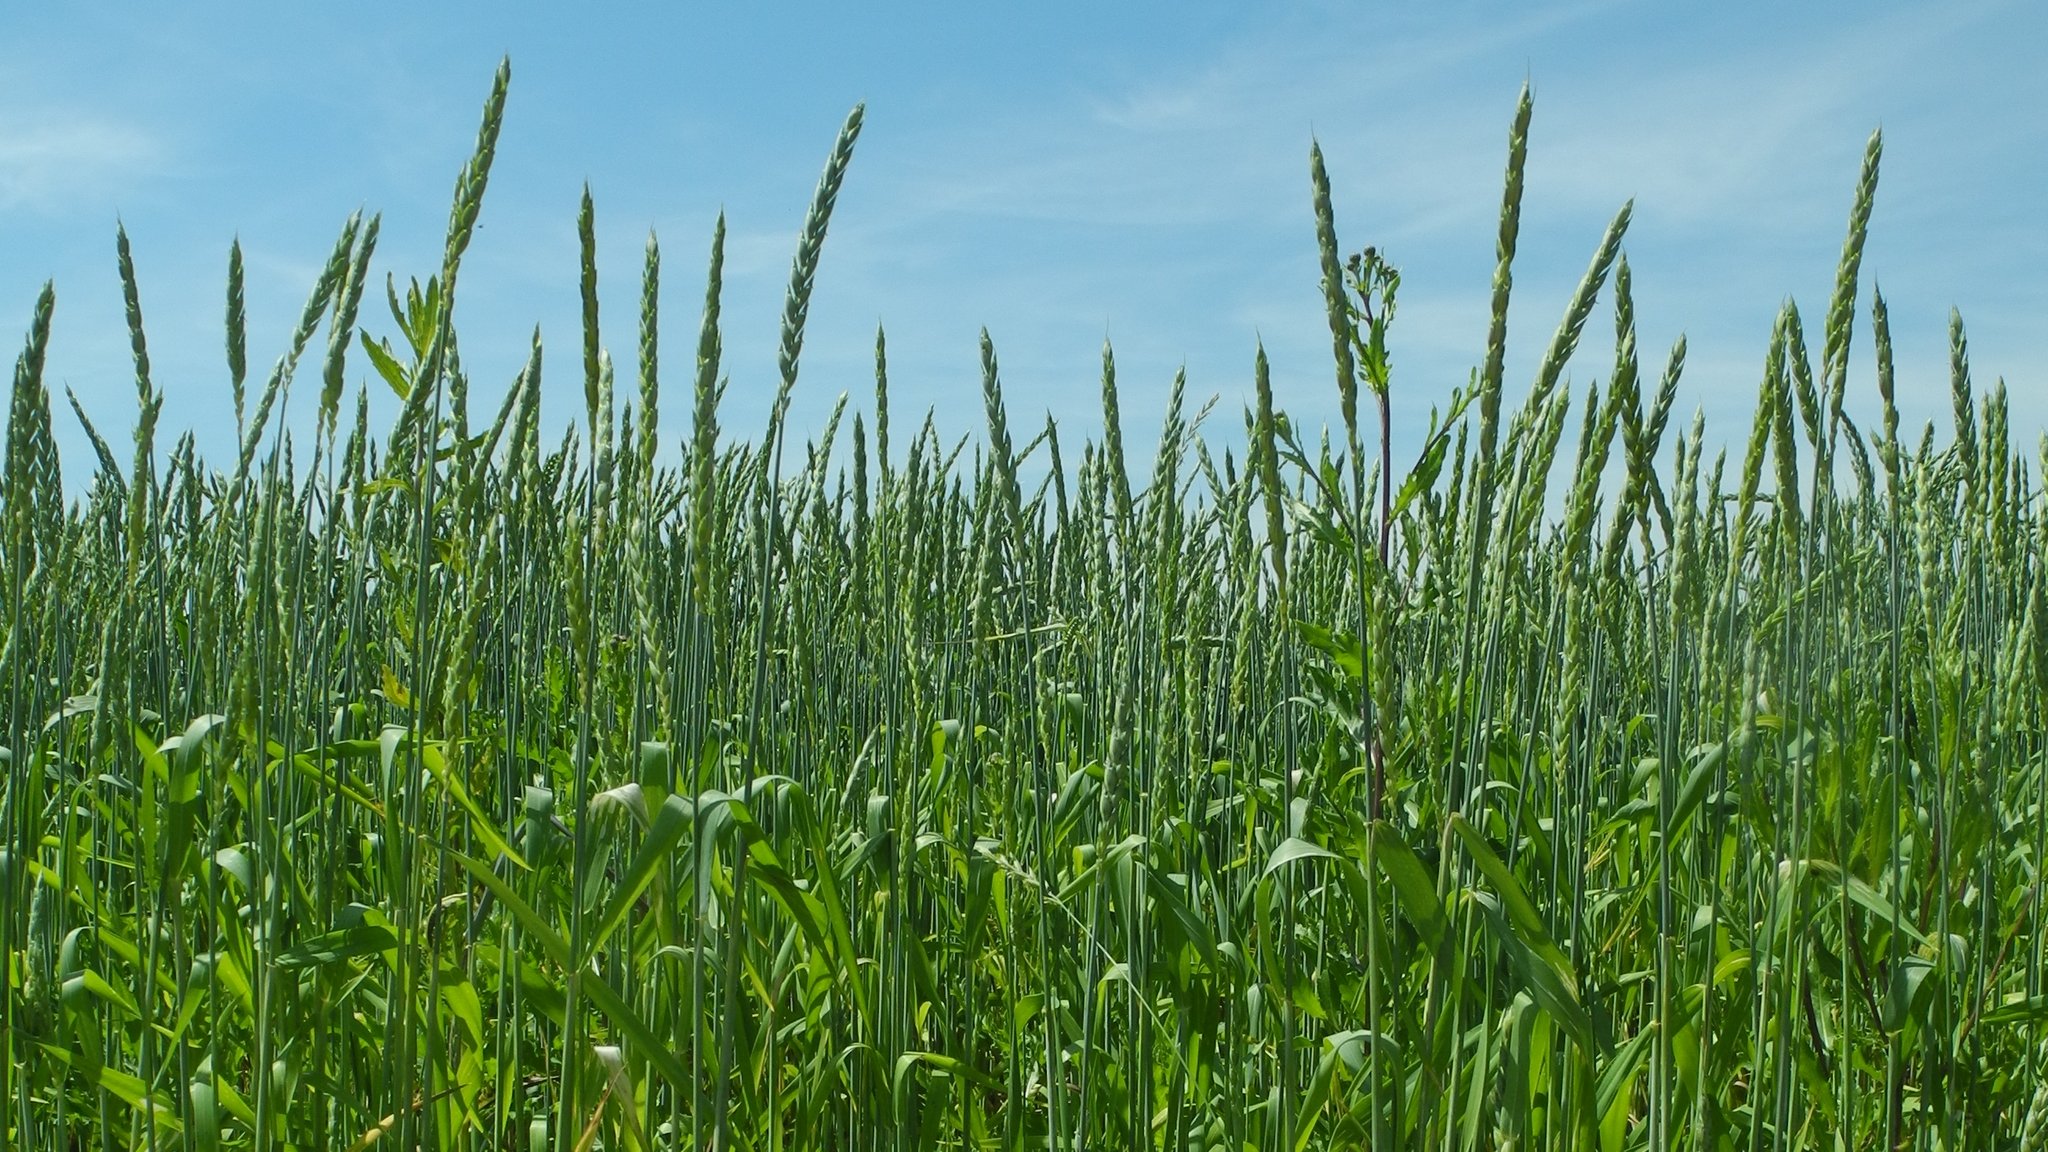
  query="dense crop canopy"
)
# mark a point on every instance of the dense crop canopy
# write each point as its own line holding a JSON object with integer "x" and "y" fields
{"x": 452, "y": 791}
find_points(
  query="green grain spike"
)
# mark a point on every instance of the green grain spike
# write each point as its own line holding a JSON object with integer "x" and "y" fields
{"x": 317, "y": 305}
{"x": 803, "y": 273}
{"x": 1881, "y": 335}
{"x": 1959, "y": 393}
{"x": 238, "y": 332}
{"x": 1003, "y": 464}
{"x": 1490, "y": 376}
{"x": 882, "y": 412}
{"x": 586, "y": 247}
{"x": 1334, "y": 301}
{"x": 1800, "y": 365}
{"x": 1786, "y": 450}
{"x": 1842, "y": 306}
{"x": 650, "y": 357}
{"x": 470, "y": 185}
{"x": 704, "y": 428}
{"x": 149, "y": 404}
{"x": 344, "y": 326}
{"x": 1566, "y": 339}
{"x": 1266, "y": 460}
{"x": 1118, "y": 473}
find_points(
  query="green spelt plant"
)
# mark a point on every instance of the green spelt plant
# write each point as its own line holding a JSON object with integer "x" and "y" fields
{"x": 453, "y": 790}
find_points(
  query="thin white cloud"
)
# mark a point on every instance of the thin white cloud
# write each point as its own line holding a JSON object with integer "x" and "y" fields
{"x": 1739, "y": 149}
{"x": 50, "y": 160}
{"x": 1719, "y": 134}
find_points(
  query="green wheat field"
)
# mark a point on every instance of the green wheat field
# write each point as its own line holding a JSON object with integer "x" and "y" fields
{"x": 1567, "y": 784}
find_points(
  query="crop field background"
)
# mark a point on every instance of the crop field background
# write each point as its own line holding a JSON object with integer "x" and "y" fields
{"x": 1567, "y": 784}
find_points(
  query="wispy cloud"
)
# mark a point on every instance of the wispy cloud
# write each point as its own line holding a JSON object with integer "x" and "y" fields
{"x": 1738, "y": 139}
{"x": 49, "y": 160}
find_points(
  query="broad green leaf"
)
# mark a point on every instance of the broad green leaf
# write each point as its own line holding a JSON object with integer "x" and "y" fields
{"x": 530, "y": 922}
{"x": 129, "y": 1090}
{"x": 646, "y": 1043}
{"x": 939, "y": 1062}
{"x": 434, "y": 756}
{"x": 388, "y": 368}
{"x": 1861, "y": 893}
{"x": 620, "y": 1082}
{"x": 1343, "y": 650}
{"x": 2018, "y": 1008}
{"x": 1699, "y": 776}
{"x": 1515, "y": 899}
{"x": 1619, "y": 1073}
{"x": 1546, "y": 984}
{"x": 205, "y": 1114}
{"x": 1414, "y": 890}
{"x": 339, "y": 945}
{"x": 671, "y": 822}
{"x": 1292, "y": 849}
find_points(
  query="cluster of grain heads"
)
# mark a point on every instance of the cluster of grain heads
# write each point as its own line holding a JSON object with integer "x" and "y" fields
{"x": 458, "y": 791}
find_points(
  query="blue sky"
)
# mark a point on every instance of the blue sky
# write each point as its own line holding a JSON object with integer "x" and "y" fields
{"x": 1057, "y": 172}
